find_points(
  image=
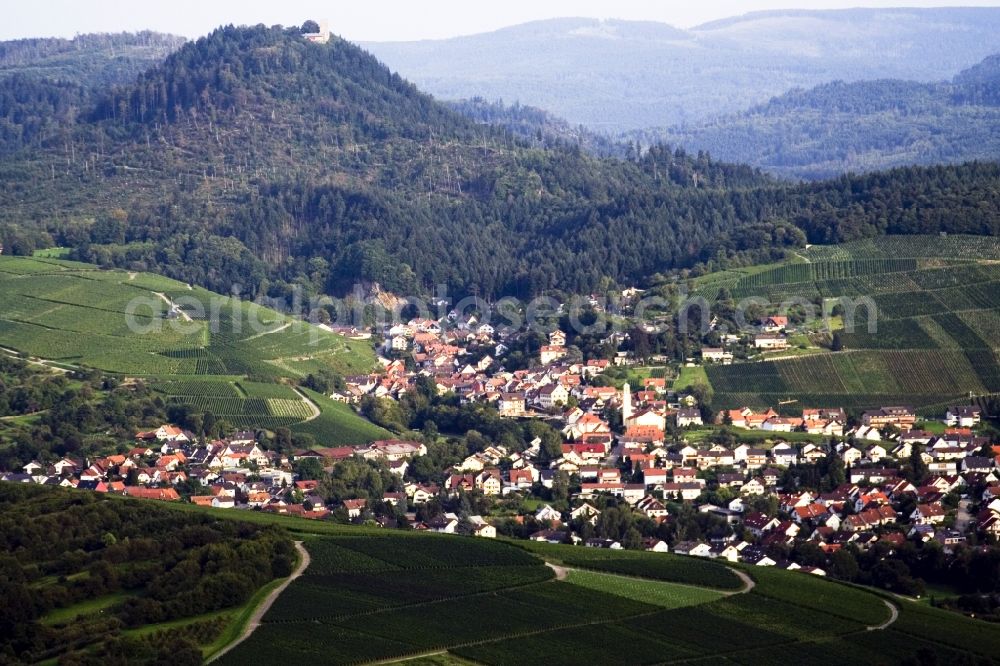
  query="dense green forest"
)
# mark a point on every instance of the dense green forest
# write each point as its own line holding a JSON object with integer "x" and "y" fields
{"x": 540, "y": 128}
{"x": 45, "y": 83}
{"x": 88, "y": 60}
{"x": 48, "y": 414}
{"x": 251, "y": 153}
{"x": 139, "y": 561}
{"x": 858, "y": 126}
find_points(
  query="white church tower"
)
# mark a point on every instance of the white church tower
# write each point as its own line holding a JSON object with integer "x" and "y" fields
{"x": 626, "y": 402}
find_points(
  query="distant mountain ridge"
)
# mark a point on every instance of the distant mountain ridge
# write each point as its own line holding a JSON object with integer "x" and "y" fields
{"x": 985, "y": 73}
{"x": 861, "y": 126}
{"x": 622, "y": 75}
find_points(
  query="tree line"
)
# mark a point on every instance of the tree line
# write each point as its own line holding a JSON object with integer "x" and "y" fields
{"x": 65, "y": 547}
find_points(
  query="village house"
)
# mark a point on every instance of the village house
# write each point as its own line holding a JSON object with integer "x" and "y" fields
{"x": 774, "y": 324}
{"x": 770, "y": 341}
{"x": 654, "y": 545}
{"x": 546, "y": 514}
{"x": 963, "y": 416}
{"x": 755, "y": 459}
{"x": 716, "y": 355}
{"x": 445, "y": 524}
{"x": 687, "y": 491}
{"x": 654, "y": 476}
{"x": 551, "y": 353}
{"x": 511, "y": 405}
{"x": 423, "y": 494}
{"x": 609, "y": 544}
{"x": 758, "y": 523}
{"x": 585, "y": 511}
{"x": 552, "y": 395}
{"x": 928, "y": 514}
{"x": 234, "y": 455}
{"x": 689, "y": 416}
{"x": 354, "y": 507}
{"x": 165, "y": 433}
{"x": 693, "y": 549}
{"x": 490, "y": 482}
{"x": 652, "y": 508}
{"x": 812, "y": 453}
{"x": 163, "y": 494}
{"x": 391, "y": 449}
{"x": 481, "y": 528}
{"x": 850, "y": 455}
{"x": 655, "y": 384}
{"x": 745, "y": 418}
{"x": 523, "y": 478}
{"x": 397, "y": 343}
{"x": 900, "y": 417}
{"x": 717, "y": 456}
{"x": 784, "y": 455}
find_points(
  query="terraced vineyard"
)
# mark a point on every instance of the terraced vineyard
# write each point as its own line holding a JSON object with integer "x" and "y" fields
{"x": 935, "y": 307}
{"x": 209, "y": 356}
{"x": 391, "y": 596}
{"x": 338, "y": 424}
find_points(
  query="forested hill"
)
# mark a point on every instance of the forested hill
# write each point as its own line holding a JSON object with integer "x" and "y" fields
{"x": 87, "y": 60}
{"x": 254, "y": 152}
{"x": 538, "y": 127}
{"x": 45, "y": 83}
{"x": 862, "y": 126}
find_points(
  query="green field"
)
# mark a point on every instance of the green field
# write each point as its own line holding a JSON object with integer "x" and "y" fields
{"x": 392, "y": 596}
{"x": 371, "y": 595}
{"x": 58, "y": 616}
{"x": 689, "y": 376}
{"x": 936, "y": 304}
{"x": 658, "y": 593}
{"x": 658, "y": 566}
{"x": 229, "y": 357}
{"x": 338, "y": 423}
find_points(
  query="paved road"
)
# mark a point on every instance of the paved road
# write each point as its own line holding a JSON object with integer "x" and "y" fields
{"x": 13, "y": 353}
{"x": 893, "y": 616}
{"x": 173, "y": 306}
{"x": 963, "y": 518}
{"x": 560, "y": 571}
{"x": 748, "y": 582}
{"x": 268, "y": 602}
{"x": 312, "y": 406}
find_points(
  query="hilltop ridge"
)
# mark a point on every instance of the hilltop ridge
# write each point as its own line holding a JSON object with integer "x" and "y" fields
{"x": 653, "y": 75}
{"x": 254, "y": 157}
{"x": 856, "y": 126}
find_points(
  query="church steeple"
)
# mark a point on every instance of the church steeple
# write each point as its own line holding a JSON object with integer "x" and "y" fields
{"x": 626, "y": 402}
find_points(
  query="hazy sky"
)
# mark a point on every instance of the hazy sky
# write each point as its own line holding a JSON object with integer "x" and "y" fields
{"x": 377, "y": 20}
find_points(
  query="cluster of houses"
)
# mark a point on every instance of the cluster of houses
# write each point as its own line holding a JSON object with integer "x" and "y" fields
{"x": 873, "y": 426}
{"x": 638, "y": 468}
{"x": 829, "y": 422}
{"x": 444, "y": 356}
{"x": 233, "y": 473}
{"x": 443, "y": 350}
{"x": 867, "y": 508}
{"x": 639, "y": 464}
{"x": 771, "y": 335}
